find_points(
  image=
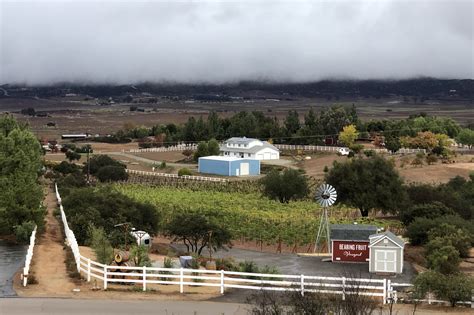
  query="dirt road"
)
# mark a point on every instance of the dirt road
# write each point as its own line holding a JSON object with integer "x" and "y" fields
{"x": 48, "y": 258}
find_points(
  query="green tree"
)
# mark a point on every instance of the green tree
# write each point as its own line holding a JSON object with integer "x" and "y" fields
{"x": 20, "y": 164}
{"x": 368, "y": 184}
{"x": 195, "y": 231}
{"x": 208, "y": 148}
{"x": 98, "y": 161}
{"x": 112, "y": 173}
{"x": 425, "y": 210}
{"x": 466, "y": 137}
{"x": 292, "y": 122}
{"x": 99, "y": 242}
{"x": 392, "y": 144}
{"x": 285, "y": 186}
{"x": 348, "y": 135}
{"x": 72, "y": 155}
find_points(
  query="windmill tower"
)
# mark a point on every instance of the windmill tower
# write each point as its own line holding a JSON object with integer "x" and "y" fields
{"x": 326, "y": 196}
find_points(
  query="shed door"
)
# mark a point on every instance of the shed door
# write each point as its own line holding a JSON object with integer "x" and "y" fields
{"x": 244, "y": 169}
{"x": 385, "y": 260}
{"x": 267, "y": 156}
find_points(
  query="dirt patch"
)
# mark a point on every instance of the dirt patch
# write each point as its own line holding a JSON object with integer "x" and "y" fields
{"x": 174, "y": 156}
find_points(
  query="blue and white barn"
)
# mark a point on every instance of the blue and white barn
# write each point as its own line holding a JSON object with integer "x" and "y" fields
{"x": 228, "y": 166}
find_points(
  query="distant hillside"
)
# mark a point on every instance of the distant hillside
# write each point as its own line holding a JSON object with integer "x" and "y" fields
{"x": 423, "y": 88}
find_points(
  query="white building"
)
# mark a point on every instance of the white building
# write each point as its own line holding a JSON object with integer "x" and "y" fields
{"x": 249, "y": 148}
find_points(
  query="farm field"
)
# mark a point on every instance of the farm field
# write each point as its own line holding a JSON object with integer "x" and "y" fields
{"x": 247, "y": 216}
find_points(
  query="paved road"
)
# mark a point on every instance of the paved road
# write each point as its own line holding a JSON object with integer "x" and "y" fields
{"x": 51, "y": 306}
{"x": 310, "y": 266}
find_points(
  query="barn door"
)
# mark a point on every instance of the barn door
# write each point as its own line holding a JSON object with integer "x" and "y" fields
{"x": 385, "y": 260}
{"x": 244, "y": 169}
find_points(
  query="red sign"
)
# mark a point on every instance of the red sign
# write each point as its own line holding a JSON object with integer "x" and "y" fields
{"x": 350, "y": 251}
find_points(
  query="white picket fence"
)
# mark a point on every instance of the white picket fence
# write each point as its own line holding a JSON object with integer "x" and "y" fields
{"x": 179, "y": 147}
{"x": 323, "y": 148}
{"x": 29, "y": 256}
{"x": 185, "y": 177}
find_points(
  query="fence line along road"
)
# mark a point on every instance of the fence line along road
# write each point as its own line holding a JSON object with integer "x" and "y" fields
{"x": 29, "y": 256}
{"x": 292, "y": 147}
{"x": 184, "y": 177}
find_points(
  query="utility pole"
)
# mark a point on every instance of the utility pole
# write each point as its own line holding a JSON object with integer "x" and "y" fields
{"x": 88, "y": 164}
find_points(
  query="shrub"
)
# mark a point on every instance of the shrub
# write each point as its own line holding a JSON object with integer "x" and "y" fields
{"x": 453, "y": 288}
{"x": 139, "y": 254}
{"x": 72, "y": 155}
{"x": 66, "y": 168}
{"x": 431, "y": 159}
{"x": 417, "y": 162}
{"x": 98, "y": 161}
{"x": 23, "y": 231}
{"x": 369, "y": 153}
{"x": 356, "y": 148}
{"x": 162, "y": 165}
{"x": 429, "y": 210}
{"x": 460, "y": 238}
{"x": 112, "y": 173}
{"x": 227, "y": 264}
{"x": 104, "y": 252}
{"x": 184, "y": 171}
{"x": 442, "y": 256}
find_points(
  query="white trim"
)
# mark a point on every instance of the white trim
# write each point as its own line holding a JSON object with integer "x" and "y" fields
{"x": 382, "y": 238}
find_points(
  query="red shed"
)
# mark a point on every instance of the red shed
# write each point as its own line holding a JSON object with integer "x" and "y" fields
{"x": 350, "y": 242}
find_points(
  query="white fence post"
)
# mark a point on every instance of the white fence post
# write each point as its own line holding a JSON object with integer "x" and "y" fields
{"x": 222, "y": 281}
{"x": 302, "y": 285}
{"x": 343, "y": 288}
{"x": 105, "y": 277}
{"x": 389, "y": 291}
{"x": 384, "y": 291}
{"x": 25, "y": 276}
{"x": 88, "y": 270}
{"x": 144, "y": 278}
{"x": 181, "y": 279}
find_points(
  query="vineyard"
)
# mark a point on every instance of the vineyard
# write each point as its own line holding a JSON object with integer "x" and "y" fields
{"x": 249, "y": 217}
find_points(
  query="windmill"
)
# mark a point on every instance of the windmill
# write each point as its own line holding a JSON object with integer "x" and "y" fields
{"x": 326, "y": 196}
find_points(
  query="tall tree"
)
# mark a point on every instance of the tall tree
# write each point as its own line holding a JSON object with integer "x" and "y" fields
{"x": 292, "y": 122}
{"x": 348, "y": 135}
{"x": 20, "y": 164}
{"x": 368, "y": 184}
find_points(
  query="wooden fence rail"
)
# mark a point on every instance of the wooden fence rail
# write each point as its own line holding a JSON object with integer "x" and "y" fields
{"x": 184, "y": 177}
{"x": 29, "y": 256}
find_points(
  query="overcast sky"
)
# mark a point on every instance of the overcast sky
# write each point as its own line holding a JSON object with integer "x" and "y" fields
{"x": 45, "y": 42}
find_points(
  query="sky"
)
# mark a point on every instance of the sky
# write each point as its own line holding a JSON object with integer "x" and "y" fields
{"x": 123, "y": 42}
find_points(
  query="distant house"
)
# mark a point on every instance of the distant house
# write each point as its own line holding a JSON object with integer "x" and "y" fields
{"x": 386, "y": 253}
{"x": 249, "y": 148}
{"x": 75, "y": 136}
{"x": 228, "y": 166}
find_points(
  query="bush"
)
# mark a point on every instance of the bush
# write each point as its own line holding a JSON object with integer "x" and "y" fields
{"x": 23, "y": 231}
{"x": 369, "y": 153}
{"x": 72, "y": 155}
{"x": 430, "y": 210}
{"x": 289, "y": 185}
{"x": 139, "y": 255}
{"x": 103, "y": 250}
{"x": 453, "y": 288}
{"x": 184, "y": 171}
{"x": 442, "y": 257}
{"x": 356, "y": 148}
{"x": 98, "y": 161}
{"x": 162, "y": 165}
{"x": 431, "y": 159}
{"x": 460, "y": 238}
{"x": 417, "y": 162}
{"x": 419, "y": 229}
{"x": 112, "y": 173}
{"x": 66, "y": 168}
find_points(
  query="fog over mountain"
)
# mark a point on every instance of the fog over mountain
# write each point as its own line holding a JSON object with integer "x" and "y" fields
{"x": 45, "y": 42}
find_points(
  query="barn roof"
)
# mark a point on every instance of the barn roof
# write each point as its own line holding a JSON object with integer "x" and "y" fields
{"x": 375, "y": 238}
{"x": 352, "y": 232}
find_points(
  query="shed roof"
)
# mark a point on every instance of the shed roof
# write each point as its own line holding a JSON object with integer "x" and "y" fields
{"x": 352, "y": 232}
{"x": 225, "y": 158}
{"x": 375, "y": 238}
{"x": 253, "y": 149}
{"x": 240, "y": 140}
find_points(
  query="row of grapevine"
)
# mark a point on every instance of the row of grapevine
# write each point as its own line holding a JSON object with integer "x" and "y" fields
{"x": 248, "y": 217}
